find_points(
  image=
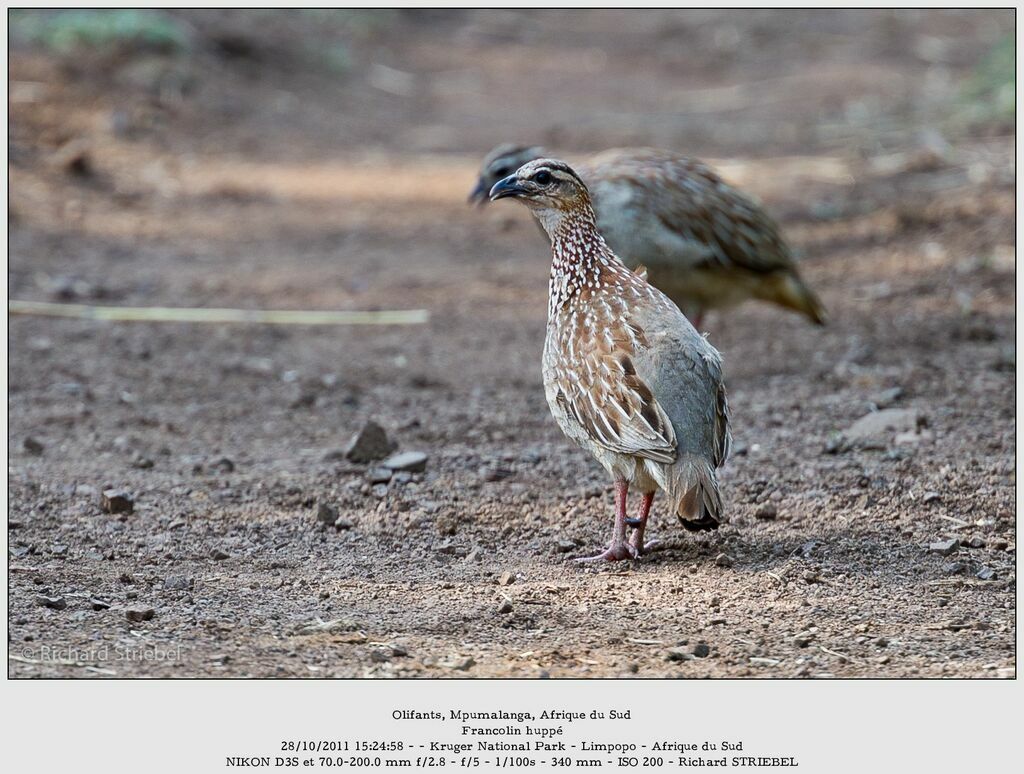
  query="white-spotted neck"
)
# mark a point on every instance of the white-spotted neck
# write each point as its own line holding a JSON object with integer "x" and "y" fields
{"x": 581, "y": 261}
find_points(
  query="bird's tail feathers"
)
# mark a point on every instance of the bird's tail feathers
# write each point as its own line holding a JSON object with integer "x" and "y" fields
{"x": 692, "y": 489}
{"x": 790, "y": 291}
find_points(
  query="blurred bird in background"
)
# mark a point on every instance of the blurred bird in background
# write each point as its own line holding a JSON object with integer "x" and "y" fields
{"x": 702, "y": 242}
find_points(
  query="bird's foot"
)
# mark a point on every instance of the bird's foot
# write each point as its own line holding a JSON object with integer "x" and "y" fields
{"x": 642, "y": 549}
{"x": 614, "y": 553}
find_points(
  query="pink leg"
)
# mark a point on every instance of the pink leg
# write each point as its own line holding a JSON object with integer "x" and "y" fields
{"x": 636, "y": 540}
{"x": 619, "y": 548}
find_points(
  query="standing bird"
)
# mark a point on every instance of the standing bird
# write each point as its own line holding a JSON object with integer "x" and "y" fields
{"x": 703, "y": 243}
{"x": 625, "y": 374}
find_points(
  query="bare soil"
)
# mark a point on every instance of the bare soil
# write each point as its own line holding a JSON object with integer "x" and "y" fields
{"x": 243, "y": 176}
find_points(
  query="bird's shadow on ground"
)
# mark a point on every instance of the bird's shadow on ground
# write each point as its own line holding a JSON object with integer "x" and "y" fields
{"x": 849, "y": 551}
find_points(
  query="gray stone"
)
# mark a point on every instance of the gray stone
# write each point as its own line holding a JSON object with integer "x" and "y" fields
{"x": 137, "y": 614}
{"x": 945, "y": 547}
{"x": 496, "y": 472}
{"x": 505, "y": 607}
{"x": 224, "y": 465}
{"x": 701, "y": 650}
{"x": 886, "y": 398}
{"x": 32, "y": 446}
{"x": 117, "y": 501}
{"x": 379, "y": 475}
{"x": 54, "y": 603}
{"x": 724, "y": 560}
{"x": 875, "y": 429}
{"x": 369, "y": 444}
{"x": 411, "y": 461}
{"x": 766, "y": 512}
{"x": 326, "y": 514}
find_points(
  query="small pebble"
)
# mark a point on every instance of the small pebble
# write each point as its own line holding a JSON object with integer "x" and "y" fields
{"x": 505, "y": 607}
{"x": 411, "y": 461}
{"x": 766, "y": 512}
{"x": 224, "y": 465}
{"x": 679, "y": 654}
{"x": 945, "y": 547}
{"x": 701, "y": 650}
{"x": 137, "y": 614}
{"x": 369, "y": 444}
{"x": 496, "y": 473}
{"x": 219, "y": 555}
{"x": 116, "y": 501}
{"x": 379, "y": 475}
{"x": 326, "y": 513}
{"x": 32, "y": 446}
{"x": 506, "y": 579}
{"x": 462, "y": 664}
{"x": 54, "y": 603}
{"x": 724, "y": 560}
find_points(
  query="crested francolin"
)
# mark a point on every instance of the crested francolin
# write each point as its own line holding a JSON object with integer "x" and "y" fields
{"x": 703, "y": 243}
{"x": 627, "y": 377}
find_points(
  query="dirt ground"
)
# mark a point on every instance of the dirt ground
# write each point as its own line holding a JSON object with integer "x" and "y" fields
{"x": 241, "y": 175}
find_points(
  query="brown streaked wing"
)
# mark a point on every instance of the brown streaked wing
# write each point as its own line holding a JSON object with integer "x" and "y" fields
{"x": 614, "y": 406}
{"x": 690, "y": 199}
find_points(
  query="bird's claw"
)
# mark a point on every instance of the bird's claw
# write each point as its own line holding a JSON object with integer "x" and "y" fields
{"x": 646, "y": 548}
{"x": 614, "y": 553}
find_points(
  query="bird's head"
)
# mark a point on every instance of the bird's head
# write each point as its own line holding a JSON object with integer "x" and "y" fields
{"x": 544, "y": 185}
{"x": 498, "y": 164}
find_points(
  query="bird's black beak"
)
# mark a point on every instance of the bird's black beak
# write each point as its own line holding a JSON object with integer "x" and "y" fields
{"x": 510, "y": 186}
{"x": 479, "y": 193}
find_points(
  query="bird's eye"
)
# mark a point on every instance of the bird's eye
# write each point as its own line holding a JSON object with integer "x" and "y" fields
{"x": 503, "y": 171}
{"x": 543, "y": 177}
